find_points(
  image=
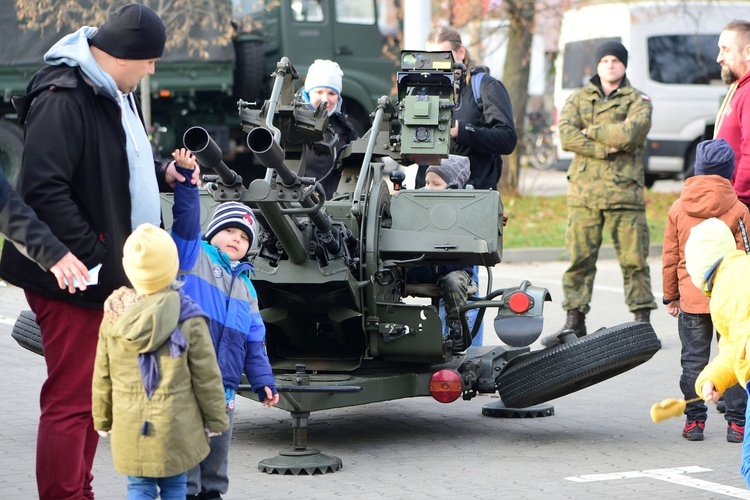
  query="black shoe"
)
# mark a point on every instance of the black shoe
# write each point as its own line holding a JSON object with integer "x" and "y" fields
{"x": 735, "y": 432}
{"x": 456, "y": 334}
{"x": 642, "y": 315}
{"x": 575, "y": 323}
{"x": 721, "y": 405}
{"x": 693, "y": 430}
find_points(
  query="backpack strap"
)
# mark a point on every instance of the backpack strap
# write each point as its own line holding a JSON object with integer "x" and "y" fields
{"x": 476, "y": 87}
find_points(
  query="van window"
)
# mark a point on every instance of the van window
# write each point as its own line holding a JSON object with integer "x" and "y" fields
{"x": 684, "y": 59}
{"x": 578, "y": 61}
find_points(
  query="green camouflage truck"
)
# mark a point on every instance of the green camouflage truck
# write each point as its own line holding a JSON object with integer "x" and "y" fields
{"x": 187, "y": 90}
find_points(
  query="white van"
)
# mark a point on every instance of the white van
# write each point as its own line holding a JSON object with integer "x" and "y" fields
{"x": 672, "y": 48}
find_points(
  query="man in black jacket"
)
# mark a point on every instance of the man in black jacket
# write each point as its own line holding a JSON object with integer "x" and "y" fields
{"x": 88, "y": 171}
{"x": 21, "y": 227}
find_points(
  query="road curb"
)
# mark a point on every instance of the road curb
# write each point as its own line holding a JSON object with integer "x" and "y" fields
{"x": 549, "y": 254}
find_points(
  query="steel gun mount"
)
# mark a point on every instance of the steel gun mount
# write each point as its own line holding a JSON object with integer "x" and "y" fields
{"x": 330, "y": 274}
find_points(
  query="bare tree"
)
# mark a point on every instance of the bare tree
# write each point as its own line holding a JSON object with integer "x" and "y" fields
{"x": 181, "y": 17}
{"x": 516, "y": 79}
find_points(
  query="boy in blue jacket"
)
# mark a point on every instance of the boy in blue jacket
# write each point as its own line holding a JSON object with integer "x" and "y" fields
{"x": 217, "y": 276}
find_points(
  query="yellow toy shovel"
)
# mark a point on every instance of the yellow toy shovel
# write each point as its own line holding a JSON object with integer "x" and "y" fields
{"x": 669, "y": 408}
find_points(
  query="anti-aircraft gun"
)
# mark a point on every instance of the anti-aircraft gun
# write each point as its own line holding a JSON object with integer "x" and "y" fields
{"x": 330, "y": 274}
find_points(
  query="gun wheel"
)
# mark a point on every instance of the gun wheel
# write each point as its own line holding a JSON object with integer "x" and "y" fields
{"x": 26, "y": 332}
{"x": 562, "y": 369}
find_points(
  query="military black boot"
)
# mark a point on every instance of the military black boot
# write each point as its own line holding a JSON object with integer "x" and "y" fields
{"x": 576, "y": 322}
{"x": 456, "y": 334}
{"x": 642, "y": 315}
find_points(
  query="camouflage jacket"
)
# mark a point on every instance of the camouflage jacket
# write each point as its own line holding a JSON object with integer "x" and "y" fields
{"x": 596, "y": 178}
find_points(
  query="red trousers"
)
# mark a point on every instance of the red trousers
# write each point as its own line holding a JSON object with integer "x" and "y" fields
{"x": 66, "y": 442}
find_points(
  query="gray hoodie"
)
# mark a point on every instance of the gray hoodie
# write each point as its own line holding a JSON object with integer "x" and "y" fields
{"x": 73, "y": 50}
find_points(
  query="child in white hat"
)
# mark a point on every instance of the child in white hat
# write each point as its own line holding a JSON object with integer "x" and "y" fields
{"x": 155, "y": 337}
{"x": 321, "y": 160}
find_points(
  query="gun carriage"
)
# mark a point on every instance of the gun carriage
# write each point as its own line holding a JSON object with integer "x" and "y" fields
{"x": 330, "y": 274}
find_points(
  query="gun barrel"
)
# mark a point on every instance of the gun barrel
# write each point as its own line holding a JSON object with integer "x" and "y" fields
{"x": 261, "y": 142}
{"x": 208, "y": 153}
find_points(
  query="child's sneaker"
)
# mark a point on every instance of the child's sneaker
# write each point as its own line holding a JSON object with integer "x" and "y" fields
{"x": 693, "y": 430}
{"x": 735, "y": 432}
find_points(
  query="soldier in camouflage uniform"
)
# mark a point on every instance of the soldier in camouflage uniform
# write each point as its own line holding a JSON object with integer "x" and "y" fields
{"x": 605, "y": 125}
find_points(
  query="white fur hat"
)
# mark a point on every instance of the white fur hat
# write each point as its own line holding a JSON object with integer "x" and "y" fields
{"x": 324, "y": 73}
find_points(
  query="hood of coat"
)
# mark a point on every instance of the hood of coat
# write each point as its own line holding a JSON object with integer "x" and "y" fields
{"x": 706, "y": 196}
{"x": 142, "y": 322}
{"x": 730, "y": 302}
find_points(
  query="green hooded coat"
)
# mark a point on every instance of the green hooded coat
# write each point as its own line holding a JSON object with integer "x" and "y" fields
{"x": 163, "y": 436}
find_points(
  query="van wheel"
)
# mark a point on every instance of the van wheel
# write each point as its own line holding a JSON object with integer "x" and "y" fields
{"x": 562, "y": 369}
{"x": 250, "y": 80}
{"x": 650, "y": 179}
{"x": 11, "y": 150}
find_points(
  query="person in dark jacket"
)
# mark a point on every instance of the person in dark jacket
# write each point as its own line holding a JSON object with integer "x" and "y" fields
{"x": 454, "y": 281}
{"x": 88, "y": 172}
{"x": 32, "y": 237}
{"x": 483, "y": 128}
{"x": 321, "y": 160}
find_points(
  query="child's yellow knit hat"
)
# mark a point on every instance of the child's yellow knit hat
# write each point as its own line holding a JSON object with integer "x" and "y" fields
{"x": 150, "y": 259}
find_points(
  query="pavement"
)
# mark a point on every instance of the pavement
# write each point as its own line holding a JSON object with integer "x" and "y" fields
{"x": 600, "y": 442}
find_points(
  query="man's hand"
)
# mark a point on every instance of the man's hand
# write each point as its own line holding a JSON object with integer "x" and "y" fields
{"x": 70, "y": 268}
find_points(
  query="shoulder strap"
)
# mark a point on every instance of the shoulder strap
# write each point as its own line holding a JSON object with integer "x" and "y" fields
{"x": 476, "y": 88}
{"x": 744, "y": 236}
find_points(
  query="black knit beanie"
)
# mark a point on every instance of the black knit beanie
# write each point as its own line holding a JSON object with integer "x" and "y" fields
{"x": 612, "y": 49}
{"x": 455, "y": 169}
{"x": 133, "y": 32}
{"x": 715, "y": 157}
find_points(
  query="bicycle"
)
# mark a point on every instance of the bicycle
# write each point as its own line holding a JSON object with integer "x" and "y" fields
{"x": 538, "y": 145}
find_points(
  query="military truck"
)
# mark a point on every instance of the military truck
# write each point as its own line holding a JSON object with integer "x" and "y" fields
{"x": 187, "y": 90}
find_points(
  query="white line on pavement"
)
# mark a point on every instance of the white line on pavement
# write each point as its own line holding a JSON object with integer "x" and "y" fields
{"x": 676, "y": 475}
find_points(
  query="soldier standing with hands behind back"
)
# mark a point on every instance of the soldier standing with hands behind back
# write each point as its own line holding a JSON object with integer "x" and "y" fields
{"x": 605, "y": 125}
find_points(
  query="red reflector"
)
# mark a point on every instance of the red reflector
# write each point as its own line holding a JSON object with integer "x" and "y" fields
{"x": 519, "y": 302}
{"x": 446, "y": 386}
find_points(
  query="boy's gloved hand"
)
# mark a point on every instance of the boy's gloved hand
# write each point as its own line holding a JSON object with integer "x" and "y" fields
{"x": 269, "y": 396}
{"x": 229, "y": 394}
{"x": 211, "y": 434}
{"x": 104, "y": 434}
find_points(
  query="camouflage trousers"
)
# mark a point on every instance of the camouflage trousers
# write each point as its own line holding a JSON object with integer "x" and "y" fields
{"x": 454, "y": 287}
{"x": 630, "y": 235}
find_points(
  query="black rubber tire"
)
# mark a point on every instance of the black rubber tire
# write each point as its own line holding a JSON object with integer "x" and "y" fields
{"x": 562, "y": 369}
{"x": 11, "y": 150}
{"x": 26, "y": 332}
{"x": 650, "y": 180}
{"x": 250, "y": 80}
